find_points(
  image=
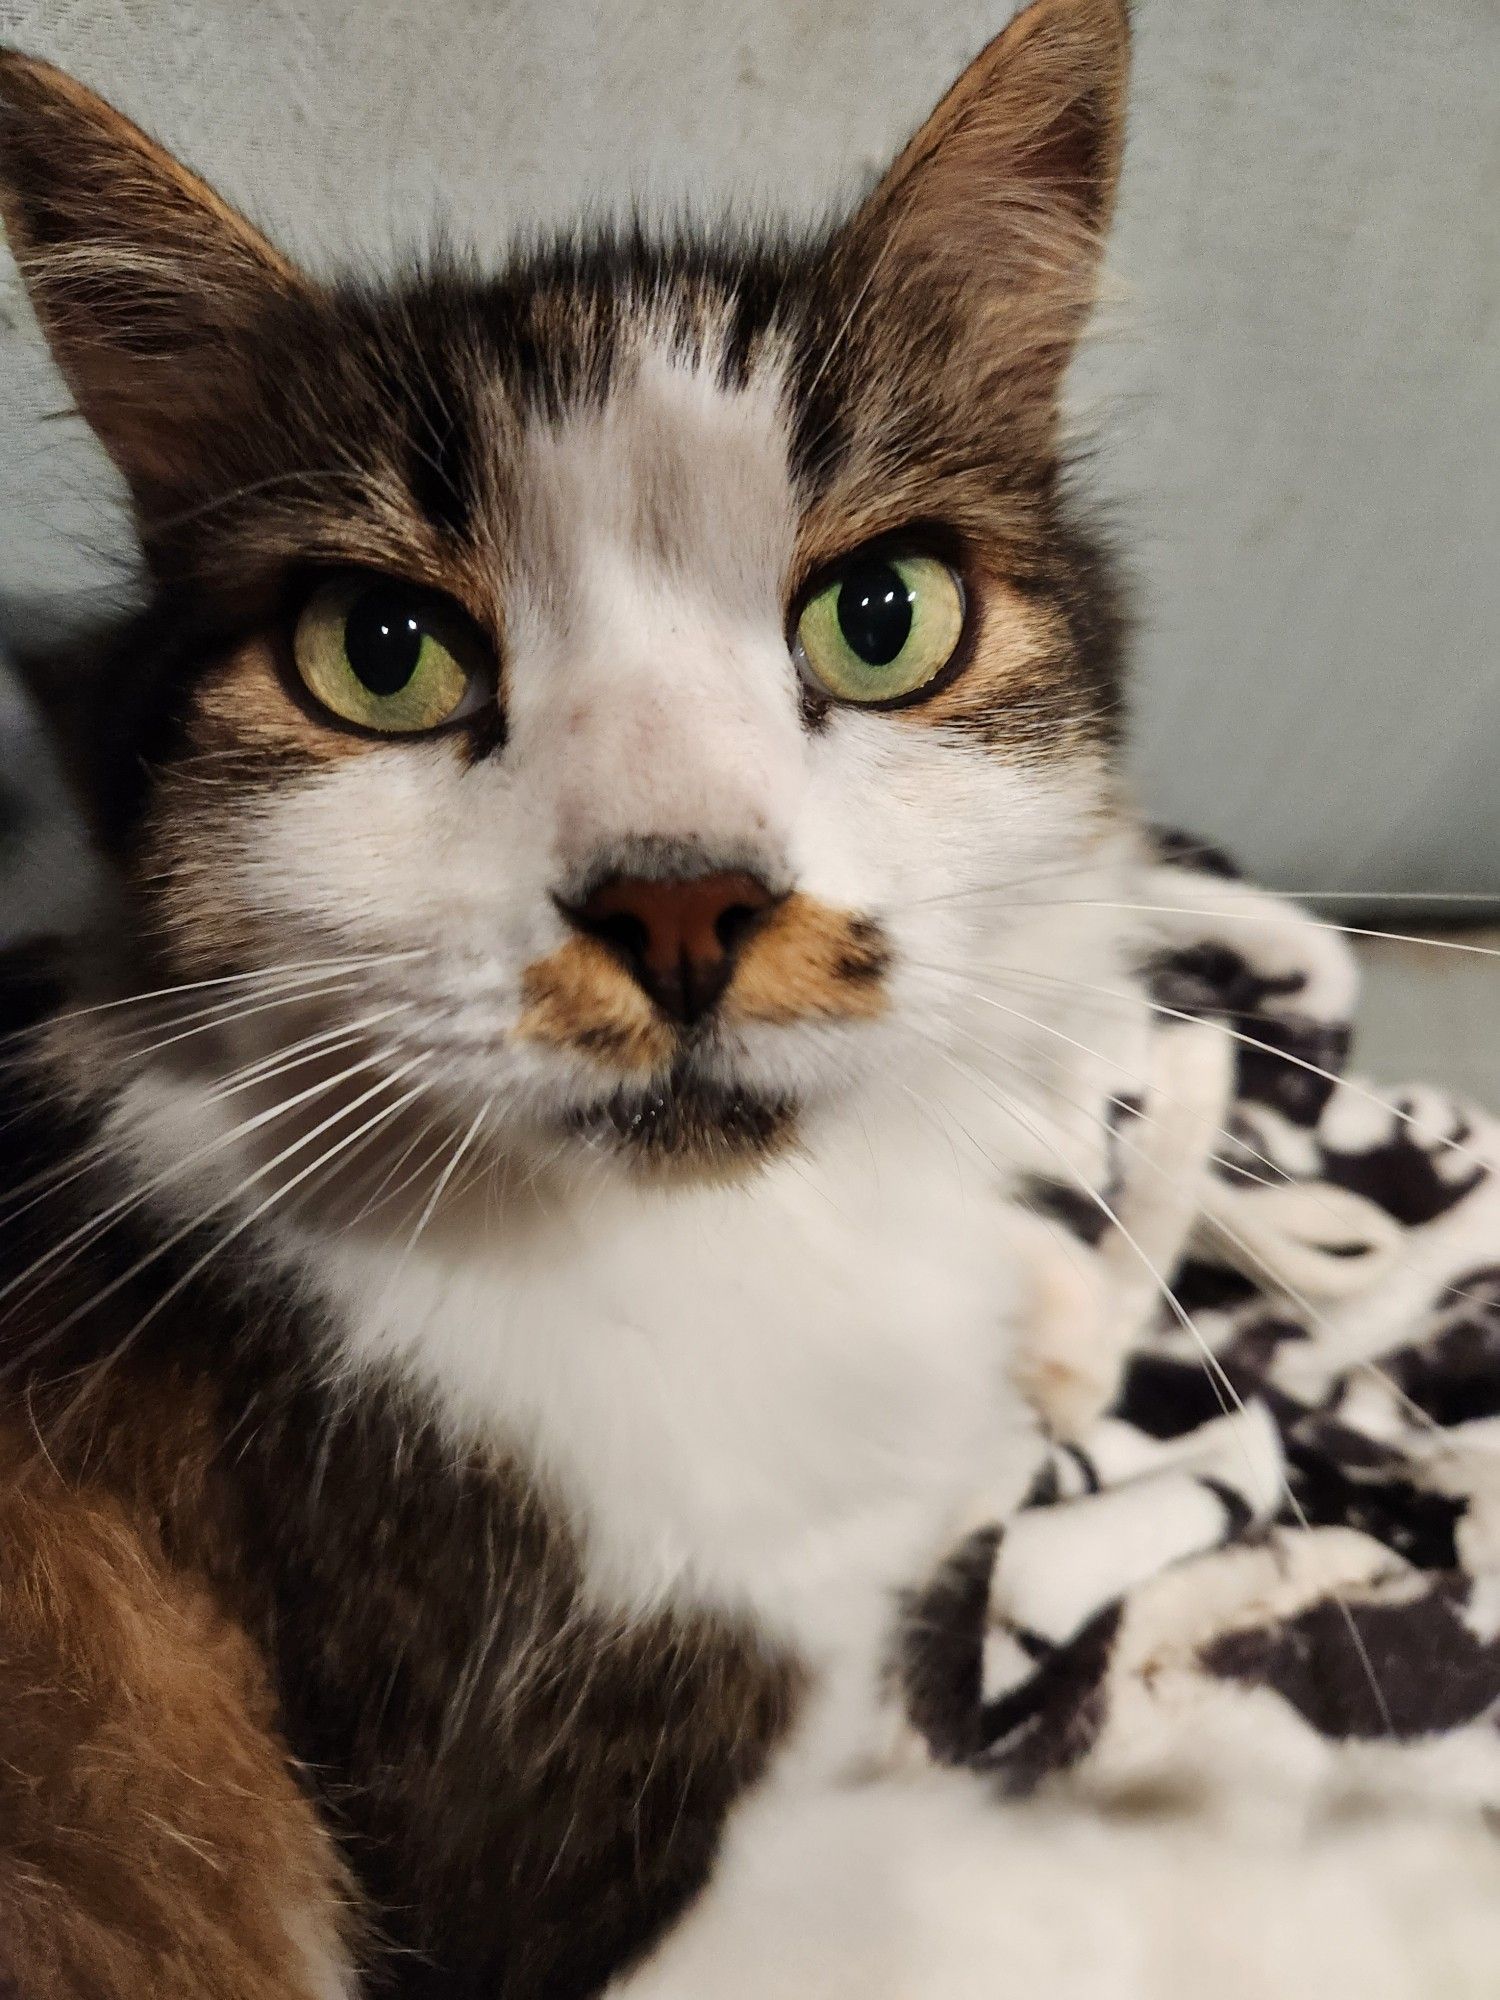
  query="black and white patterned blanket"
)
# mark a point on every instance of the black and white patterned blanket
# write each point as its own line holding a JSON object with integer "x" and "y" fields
{"x": 1274, "y": 1567}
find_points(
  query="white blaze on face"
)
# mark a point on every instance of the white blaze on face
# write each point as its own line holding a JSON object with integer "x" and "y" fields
{"x": 649, "y": 684}
{"x": 650, "y": 694}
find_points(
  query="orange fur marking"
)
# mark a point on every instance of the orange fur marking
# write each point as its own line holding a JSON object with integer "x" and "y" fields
{"x": 241, "y": 707}
{"x": 579, "y": 998}
{"x": 810, "y": 963}
{"x": 153, "y": 1839}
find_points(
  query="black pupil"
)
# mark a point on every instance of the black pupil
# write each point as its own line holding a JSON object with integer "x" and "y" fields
{"x": 383, "y": 640}
{"x": 875, "y": 613}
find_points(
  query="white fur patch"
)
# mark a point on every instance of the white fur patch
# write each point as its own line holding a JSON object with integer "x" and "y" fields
{"x": 328, "y": 1975}
{"x": 936, "y": 1889}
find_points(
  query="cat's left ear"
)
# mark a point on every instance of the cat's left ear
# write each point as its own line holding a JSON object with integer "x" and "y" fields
{"x": 149, "y": 288}
{"x": 1002, "y": 198}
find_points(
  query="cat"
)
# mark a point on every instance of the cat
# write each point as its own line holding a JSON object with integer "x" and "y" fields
{"x": 537, "y": 1203}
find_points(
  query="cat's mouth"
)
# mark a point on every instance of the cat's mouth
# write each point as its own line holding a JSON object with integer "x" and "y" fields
{"x": 685, "y": 1119}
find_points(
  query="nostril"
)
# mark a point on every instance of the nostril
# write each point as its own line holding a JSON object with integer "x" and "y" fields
{"x": 623, "y": 933}
{"x": 733, "y": 925}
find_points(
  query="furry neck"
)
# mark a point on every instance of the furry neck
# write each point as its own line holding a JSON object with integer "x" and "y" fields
{"x": 748, "y": 1395}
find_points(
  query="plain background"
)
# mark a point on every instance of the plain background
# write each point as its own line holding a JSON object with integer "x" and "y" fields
{"x": 1297, "y": 375}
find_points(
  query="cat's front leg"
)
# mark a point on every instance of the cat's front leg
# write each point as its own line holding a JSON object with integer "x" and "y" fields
{"x": 1066, "y": 1355}
{"x": 1085, "y": 1296}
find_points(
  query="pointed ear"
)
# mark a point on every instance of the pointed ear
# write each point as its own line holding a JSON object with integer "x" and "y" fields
{"x": 1004, "y": 195}
{"x": 148, "y": 287}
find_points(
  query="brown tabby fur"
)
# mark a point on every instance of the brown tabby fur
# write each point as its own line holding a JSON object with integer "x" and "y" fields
{"x": 153, "y": 1831}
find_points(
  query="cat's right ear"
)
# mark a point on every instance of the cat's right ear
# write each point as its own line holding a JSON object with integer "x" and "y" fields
{"x": 148, "y": 287}
{"x": 991, "y": 221}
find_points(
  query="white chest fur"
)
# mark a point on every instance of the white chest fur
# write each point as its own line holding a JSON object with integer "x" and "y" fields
{"x": 771, "y": 1399}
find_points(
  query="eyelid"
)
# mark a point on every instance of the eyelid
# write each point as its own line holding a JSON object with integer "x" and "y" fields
{"x": 446, "y": 609}
{"x": 912, "y": 538}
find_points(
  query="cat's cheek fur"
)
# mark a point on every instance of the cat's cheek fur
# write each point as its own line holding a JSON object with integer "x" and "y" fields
{"x": 420, "y": 852}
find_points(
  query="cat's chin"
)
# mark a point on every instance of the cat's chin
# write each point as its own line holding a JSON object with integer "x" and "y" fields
{"x": 684, "y": 1123}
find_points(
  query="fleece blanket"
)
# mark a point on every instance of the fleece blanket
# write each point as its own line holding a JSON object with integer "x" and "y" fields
{"x": 1270, "y": 1576}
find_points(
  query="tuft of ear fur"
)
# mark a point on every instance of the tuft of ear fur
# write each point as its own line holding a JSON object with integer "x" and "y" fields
{"x": 147, "y": 285}
{"x": 1003, "y": 197}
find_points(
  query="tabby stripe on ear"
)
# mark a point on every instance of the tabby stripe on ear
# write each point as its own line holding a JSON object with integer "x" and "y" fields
{"x": 147, "y": 284}
{"x": 1014, "y": 174}
{"x": 984, "y": 238}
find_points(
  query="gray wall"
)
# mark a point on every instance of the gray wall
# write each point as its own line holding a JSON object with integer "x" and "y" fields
{"x": 1298, "y": 369}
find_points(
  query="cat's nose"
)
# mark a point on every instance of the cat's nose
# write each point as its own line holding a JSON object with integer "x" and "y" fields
{"x": 677, "y": 937}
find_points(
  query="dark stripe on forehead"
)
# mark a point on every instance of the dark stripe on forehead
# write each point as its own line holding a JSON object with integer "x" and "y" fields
{"x": 757, "y": 304}
{"x": 409, "y": 359}
{"x": 555, "y": 324}
{"x": 864, "y": 365}
{"x": 822, "y": 416}
{"x": 417, "y": 362}
{"x": 545, "y": 341}
{"x": 440, "y": 446}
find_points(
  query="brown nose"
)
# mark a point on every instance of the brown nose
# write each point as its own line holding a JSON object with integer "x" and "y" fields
{"x": 678, "y": 939}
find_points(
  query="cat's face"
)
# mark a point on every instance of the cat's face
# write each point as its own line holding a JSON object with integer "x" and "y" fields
{"x": 630, "y": 664}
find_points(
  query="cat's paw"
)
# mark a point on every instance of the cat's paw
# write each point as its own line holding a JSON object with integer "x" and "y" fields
{"x": 1070, "y": 1391}
{"x": 1067, "y": 1357}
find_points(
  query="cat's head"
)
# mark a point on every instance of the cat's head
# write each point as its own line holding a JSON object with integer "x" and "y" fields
{"x": 622, "y": 669}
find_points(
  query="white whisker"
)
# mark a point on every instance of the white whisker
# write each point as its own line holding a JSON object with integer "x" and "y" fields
{"x": 311, "y": 967}
{"x": 278, "y": 1194}
{"x": 77, "y": 1241}
{"x": 446, "y": 1176}
{"x": 330, "y": 1041}
{"x": 967, "y": 980}
{"x": 1269, "y": 917}
{"x": 196, "y": 1222}
{"x": 1329, "y": 1076}
{"x": 1272, "y": 1281}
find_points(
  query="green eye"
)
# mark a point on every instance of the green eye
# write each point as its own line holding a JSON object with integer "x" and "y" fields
{"x": 883, "y": 628}
{"x": 387, "y": 656}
